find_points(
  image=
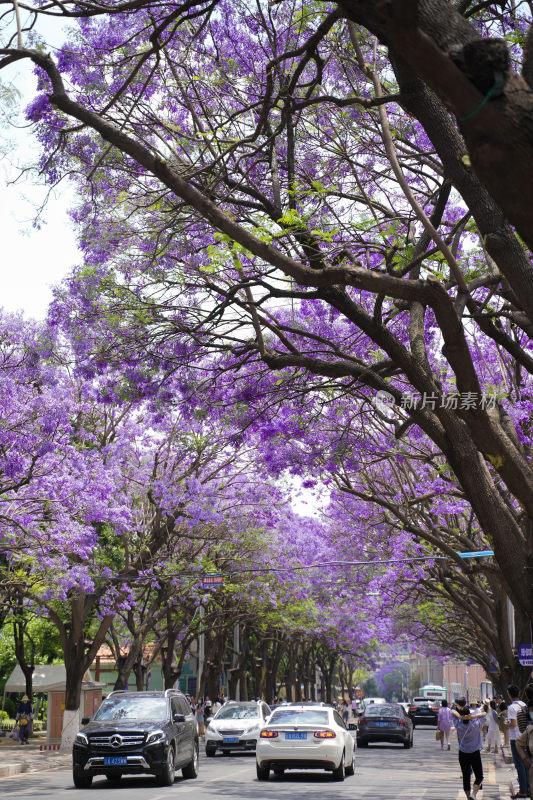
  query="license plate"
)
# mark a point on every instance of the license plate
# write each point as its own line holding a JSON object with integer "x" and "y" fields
{"x": 115, "y": 761}
{"x": 230, "y": 740}
{"x": 424, "y": 711}
{"x": 383, "y": 724}
{"x": 297, "y": 735}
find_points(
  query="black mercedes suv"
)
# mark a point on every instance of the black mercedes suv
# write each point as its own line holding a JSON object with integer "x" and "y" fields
{"x": 134, "y": 733}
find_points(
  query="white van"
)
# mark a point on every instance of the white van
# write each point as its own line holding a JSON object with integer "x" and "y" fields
{"x": 367, "y": 701}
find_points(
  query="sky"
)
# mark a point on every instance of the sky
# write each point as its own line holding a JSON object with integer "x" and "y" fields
{"x": 33, "y": 259}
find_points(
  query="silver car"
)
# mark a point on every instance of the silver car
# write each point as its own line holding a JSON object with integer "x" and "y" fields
{"x": 235, "y": 726}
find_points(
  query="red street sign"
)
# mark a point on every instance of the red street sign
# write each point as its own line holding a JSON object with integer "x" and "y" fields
{"x": 212, "y": 580}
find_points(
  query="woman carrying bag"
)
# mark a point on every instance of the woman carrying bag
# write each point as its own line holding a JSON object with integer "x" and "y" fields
{"x": 24, "y": 717}
{"x": 444, "y": 724}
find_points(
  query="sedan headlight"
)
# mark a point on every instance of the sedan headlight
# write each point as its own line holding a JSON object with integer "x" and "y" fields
{"x": 81, "y": 738}
{"x": 155, "y": 737}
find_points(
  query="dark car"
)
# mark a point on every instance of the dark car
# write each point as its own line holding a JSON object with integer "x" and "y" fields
{"x": 423, "y": 712}
{"x": 385, "y": 722}
{"x": 134, "y": 733}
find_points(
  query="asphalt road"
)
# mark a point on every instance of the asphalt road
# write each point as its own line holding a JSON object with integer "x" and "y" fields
{"x": 383, "y": 772}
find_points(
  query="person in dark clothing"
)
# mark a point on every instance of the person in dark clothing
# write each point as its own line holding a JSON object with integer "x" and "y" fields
{"x": 24, "y": 717}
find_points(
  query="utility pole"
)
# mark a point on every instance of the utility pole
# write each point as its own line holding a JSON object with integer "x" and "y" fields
{"x": 236, "y": 653}
{"x": 201, "y": 652}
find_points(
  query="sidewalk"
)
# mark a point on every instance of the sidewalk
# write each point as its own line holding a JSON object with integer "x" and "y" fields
{"x": 16, "y": 758}
{"x": 500, "y": 771}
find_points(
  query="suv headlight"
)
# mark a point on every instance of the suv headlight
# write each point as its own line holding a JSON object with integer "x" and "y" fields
{"x": 155, "y": 737}
{"x": 81, "y": 738}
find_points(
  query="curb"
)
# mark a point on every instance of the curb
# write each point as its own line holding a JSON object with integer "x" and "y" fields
{"x": 6, "y": 770}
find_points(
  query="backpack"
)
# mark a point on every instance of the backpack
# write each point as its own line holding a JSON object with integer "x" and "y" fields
{"x": 522, "y": 718}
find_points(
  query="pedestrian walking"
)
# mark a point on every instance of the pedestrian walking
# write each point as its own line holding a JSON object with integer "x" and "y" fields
{"x": 24, "y": 717}
{"x": 345, "y": 712}
{"x": 444, "y": 724}
{"x": 468, "y": 727}
{"x": 515, "y": 706}
{"x": 493, "y": 730}
{"x": 354, "y": 706}
{"x": 502, "y": 722}
{"x": 524, "y": 743}
{"x": 200, "y": 718}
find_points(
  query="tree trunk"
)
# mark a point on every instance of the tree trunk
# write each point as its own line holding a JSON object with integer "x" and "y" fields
{"x": 126, "y": 663}
{"x": 78, "y": 656}
{"x": 26, "y": 664}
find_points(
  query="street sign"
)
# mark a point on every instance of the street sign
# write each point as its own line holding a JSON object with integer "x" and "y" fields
{"x": 477, "y": 554}
{"x": 525, "y": 655}
{"x": 212, "y": 580}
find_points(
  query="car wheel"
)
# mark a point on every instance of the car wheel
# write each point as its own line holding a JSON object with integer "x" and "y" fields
{"x": 407, "y": 744}
{"x": 350, "y": 768}
{"x": 210, "y": 751}
{"x": 263, "y": 773}
{"x": 168, "y": 773}
{"x": 361, "y": 743}
{"x": 340, "y": 772}
{"x": 114, "y": 777}
{"x": 81, "y": 780}
{"x": 193, "y": 767}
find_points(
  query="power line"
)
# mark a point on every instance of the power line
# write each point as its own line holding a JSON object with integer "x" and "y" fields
{"x": 296, "y": 567}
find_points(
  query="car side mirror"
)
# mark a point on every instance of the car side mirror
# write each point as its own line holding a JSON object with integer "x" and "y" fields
{"x": 352, "y": 726}
{"x": 178, "y": 717}
{"x": 85, "y": 720}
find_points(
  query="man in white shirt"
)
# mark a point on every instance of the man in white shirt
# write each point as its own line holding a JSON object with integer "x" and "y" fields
{"x": 516, "y": 704}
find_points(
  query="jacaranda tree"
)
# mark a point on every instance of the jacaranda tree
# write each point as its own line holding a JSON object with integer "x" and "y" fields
{"x": 311, "y": 202}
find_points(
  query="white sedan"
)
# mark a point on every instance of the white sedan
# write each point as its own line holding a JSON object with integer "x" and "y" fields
{"x": 305, "y": 737}
{"x": 235, "y": 727}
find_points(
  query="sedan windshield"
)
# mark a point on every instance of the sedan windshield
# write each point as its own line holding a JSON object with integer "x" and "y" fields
{"x": 121, "y": 707}
{"x": 238, "y": 712}
{"x": 290, "y": 716}
{"x": 382, "y": 711}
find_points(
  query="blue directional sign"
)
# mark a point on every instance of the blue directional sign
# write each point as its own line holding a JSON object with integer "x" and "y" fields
{"x": 525, "y": 655}
{"x": 477, "y": 554}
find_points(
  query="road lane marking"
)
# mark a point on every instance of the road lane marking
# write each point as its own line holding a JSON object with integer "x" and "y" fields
{"x": 194, "y": 785}
{"x": 182, "y": 788}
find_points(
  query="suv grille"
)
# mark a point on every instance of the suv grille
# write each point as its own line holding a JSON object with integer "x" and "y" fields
{"x": 230, "y": 733}
{"x": 115, "y": 741}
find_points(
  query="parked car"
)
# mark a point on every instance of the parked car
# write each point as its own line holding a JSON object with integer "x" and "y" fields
{"x": 423, "y": 712}
{"x": 235, "y": 726}
{"x": 385, "y": 722}
{"x": 305, "y": 737}
{"x": 137, "y": 732}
